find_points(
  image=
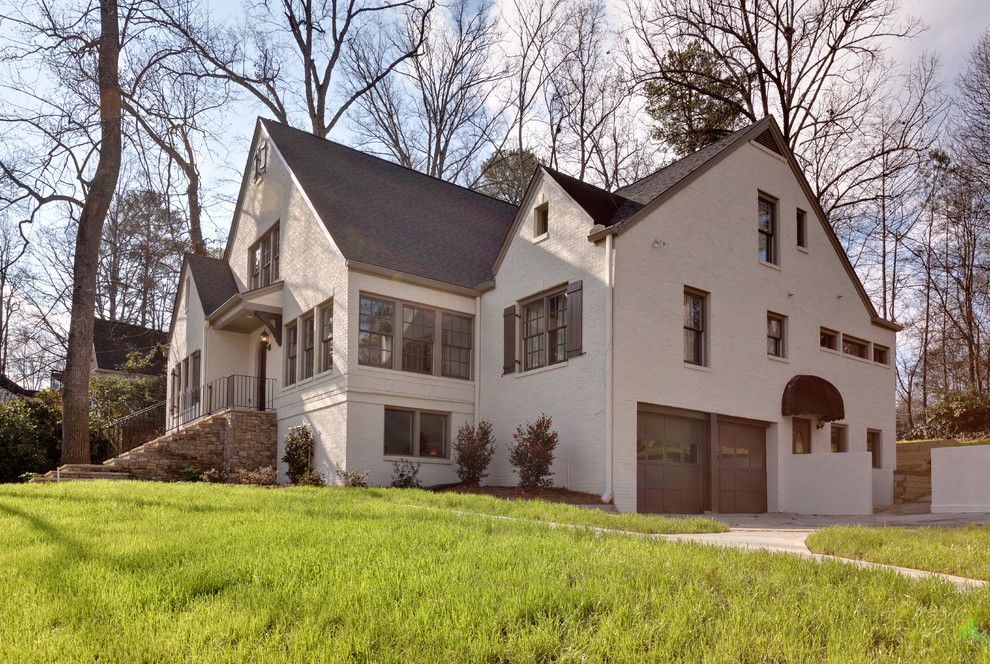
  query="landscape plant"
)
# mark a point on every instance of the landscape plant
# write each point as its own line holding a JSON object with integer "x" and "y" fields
{"x": 532, "y": 455}
{"x": 475, "y": 447}
{"x": 352, "y": 478}
{"x": 299, "y": 445}
{"x": 405, "y": 474}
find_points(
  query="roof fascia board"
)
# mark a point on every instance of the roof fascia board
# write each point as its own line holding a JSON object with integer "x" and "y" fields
{"x": 379, "y": 271}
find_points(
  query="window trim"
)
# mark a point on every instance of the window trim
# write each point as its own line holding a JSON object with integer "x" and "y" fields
{"x": 835, "y": 427}
{"x": 876, "y": 452}
{"x": 326, "y": 342}
{"x": 415, "y": 452}
{"x": 802, "y": 229}
{"x": 438, "y": 312}
{"x": 542, "y": 298}
{"x": 702, "y": 331}
{"x": 290, "y": 370}
{"x": 773, "y": 249}
{"x": 273, "y": 236}
{"x": 541, "y": 220}
{"x": 781, "y": 340}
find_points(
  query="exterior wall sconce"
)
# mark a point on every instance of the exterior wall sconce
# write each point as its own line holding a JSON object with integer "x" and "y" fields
{"x": 266, "y": 340}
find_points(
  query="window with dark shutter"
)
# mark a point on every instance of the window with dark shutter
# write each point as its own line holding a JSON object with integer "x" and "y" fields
{"x": 509, "y": 340}
{"x": 574, "y": 319}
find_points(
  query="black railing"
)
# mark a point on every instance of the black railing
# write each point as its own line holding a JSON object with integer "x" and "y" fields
{"x": 228, "y": 392}
{"x": 135, "y": 429}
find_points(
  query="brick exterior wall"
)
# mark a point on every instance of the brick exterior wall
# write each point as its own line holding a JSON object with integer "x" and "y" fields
{"x": 226, "y": 441}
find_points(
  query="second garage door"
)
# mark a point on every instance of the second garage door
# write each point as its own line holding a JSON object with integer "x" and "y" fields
{"x": 741, "y": 475}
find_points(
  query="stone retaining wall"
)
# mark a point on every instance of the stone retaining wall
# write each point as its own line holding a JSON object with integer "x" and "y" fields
{"x": 913, "y": 476}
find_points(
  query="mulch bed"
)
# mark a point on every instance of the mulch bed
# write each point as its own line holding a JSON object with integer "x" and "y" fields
{"x": 551, "y": 495}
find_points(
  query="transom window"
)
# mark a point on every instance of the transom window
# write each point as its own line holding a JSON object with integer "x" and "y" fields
{"x": 308, "y": 346}
{"x": 416, "y": 433}
{"x": 828, "y": 339}
{"x": 544, "y": 323}
{"x": 839, "y": 438}
{"x": 767, "y": 226}
{"x": 265, "y": 259}
{"x": 694, "y": 327}
{"x": 855, "y": 347}
{"x": 326, "y": 336}
{"x": 421, "y": 333}
{"x": 880, "y": 354}
{"x": 775, "y": 335}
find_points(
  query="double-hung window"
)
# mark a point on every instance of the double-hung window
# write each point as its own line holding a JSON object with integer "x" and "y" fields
{"x": 767, "y": 227}
{"x": 544, "y": 325}
{"x": 694, "y": 327}
{"x": 417, "y": 339}
{"x": 308, "y": 346}
{"x": 455, "y": 358}
{"x": 376, "y": 328}
{"x": 291, "y": 353}
{"x": 265, "y": 259}
{"x": 775, "y": 335}
{"x": 326, "y": 336}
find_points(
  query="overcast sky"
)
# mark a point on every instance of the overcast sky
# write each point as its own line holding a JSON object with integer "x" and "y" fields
{"x": 954, "y": 26}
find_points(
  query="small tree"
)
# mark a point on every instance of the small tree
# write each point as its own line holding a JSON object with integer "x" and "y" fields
{"x": 475, "y": 447}
{"x": 299, "y": 444}
{"x": 532, "y": 454}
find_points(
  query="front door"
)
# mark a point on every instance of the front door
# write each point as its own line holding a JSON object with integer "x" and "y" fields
{"x": 669, "y": 454}
{"x": 262, "y": 369}
{"x": 741, "y": 475}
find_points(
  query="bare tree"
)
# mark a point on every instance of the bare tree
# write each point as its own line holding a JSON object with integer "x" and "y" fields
{"x": 296, "y": 60}
{"x": 436, "y": 112}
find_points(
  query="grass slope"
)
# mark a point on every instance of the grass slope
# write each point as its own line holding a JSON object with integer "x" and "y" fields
{"x": 134, "y": 571}
{"x": 963, "y": 551}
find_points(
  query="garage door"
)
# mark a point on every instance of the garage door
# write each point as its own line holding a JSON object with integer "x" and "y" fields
{"x": 741, "y": 475}
{"x": 669, "y": 461}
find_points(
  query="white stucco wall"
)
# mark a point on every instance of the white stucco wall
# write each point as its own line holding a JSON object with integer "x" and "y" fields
{"x": 705, "y": 237}
{"x": 573, "y": 392}
{"x": 960, "y": 479}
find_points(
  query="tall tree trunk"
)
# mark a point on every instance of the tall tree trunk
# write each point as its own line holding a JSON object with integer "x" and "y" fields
{"x": 75, "y": 400}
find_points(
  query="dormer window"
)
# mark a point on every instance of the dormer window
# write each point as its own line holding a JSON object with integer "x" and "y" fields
{"x": 260, "y": 160}
{"x": 541, "y": 220}
{"x": 265, "y": 259}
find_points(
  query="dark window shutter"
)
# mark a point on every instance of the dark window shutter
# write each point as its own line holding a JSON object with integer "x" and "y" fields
{"x": 575, "y": 333}
{"x": 509, "y": 337}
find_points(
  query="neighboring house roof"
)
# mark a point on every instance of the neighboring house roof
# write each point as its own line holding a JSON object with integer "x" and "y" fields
{"x": 114, "y": 340}
{"x": 386, "y": 215}
{"x": 13, "y": 388}
{"x": 215, "y": 282}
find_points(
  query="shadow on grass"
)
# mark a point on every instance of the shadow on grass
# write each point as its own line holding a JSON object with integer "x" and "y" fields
{"x": 71, "y": 546}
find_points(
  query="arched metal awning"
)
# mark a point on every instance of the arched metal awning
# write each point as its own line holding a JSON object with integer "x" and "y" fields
{"x": 814, "y": 396}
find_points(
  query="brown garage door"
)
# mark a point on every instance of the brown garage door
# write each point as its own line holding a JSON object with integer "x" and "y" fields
{"x": 741, "y": 475}
{"x": 669, "y": 452}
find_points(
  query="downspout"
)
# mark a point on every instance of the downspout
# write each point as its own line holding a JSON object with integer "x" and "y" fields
{"x": 609, "y": 297}
{"x": 477, "y": 360}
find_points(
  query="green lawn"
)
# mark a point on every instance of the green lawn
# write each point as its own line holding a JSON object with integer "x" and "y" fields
{"x": 131, "y": 571}
{"x": 963, "y": 551}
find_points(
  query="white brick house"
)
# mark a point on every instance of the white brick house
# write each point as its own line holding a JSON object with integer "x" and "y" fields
{"x": 698, "y": 337}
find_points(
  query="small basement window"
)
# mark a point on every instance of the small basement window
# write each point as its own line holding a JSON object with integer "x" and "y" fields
{"x": 881, "y": 354}
{"x": 416, "y": 433}
{"x": 541, "y": 220}
{"x": 828, "y": 339}
{"x": 855, "y": 347}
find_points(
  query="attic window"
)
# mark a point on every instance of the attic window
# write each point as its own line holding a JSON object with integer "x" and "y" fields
{"x": 260, "y": 160}
{"x": 541, "y": 220}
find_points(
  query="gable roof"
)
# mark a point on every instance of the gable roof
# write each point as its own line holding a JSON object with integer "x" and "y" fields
{"x": 601, "y": 205}
{"x": 114, "y": 340}
{"x": 215, "y": 282}
{"x": 383, "y": 214}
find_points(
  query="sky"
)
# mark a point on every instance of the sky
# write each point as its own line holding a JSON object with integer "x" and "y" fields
{"x": 954, "y": 26}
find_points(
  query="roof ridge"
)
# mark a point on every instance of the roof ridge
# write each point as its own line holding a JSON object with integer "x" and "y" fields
{"x": 615, "y": 193}
{"x": 386, "y": 161}
{"x": 741, "y": 130}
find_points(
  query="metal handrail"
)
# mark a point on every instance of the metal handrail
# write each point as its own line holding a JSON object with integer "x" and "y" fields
{"x": 234, "y": 391}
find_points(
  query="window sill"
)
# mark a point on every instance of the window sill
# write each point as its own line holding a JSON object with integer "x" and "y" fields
{"x": 831, "y": 351}
{"x": 541, "y": 238}
{"x": 858, "y": 359}
{"x": 803, "y": 250}
{"x": 697, "y": 367}
{"x": 539, "y": 370}
{"x": 388, "y": 458}
{"x": 784, "y": 360}
{"x": 394, "y": 373}
{"x": 772, "y": 266}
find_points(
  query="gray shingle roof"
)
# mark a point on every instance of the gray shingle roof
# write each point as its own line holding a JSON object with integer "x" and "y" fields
{"x": 384, "y": 214}
{"x": 214, "y": 281}
{"x": 601, "y": 205}
{"x": 114, "y": 340}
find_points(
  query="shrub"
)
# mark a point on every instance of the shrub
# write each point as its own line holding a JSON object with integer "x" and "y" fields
{"x": 310, "y": 478}
{"x": 265, "y": 476}
{"x": 299, "y": 443}
{"x": 405, "y": 474}
{"x": 532, "y": 454}
{"x": 212, "y": 475}
{"x": 960, "y": 412}
{"x": 190, "y": 475}
{"x": 22, "y": 449}
{"x": 475, "y": 447}
{"x": 352, "y": 478}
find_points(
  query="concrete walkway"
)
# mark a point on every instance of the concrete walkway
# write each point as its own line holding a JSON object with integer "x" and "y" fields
{"x": 792, "y": 541}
